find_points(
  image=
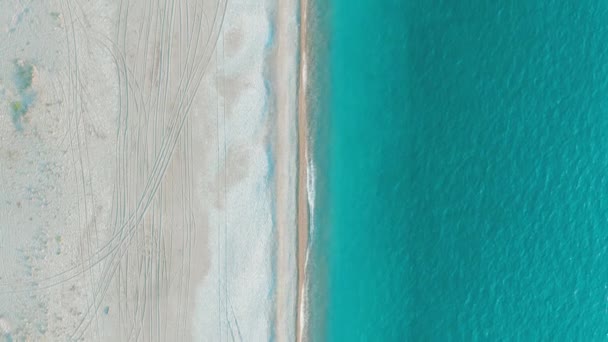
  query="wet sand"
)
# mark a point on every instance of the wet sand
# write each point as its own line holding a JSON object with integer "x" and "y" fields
{"x": 303, "y": 162}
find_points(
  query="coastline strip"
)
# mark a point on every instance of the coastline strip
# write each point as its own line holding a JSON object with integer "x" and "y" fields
{"x": 303, "y": 214}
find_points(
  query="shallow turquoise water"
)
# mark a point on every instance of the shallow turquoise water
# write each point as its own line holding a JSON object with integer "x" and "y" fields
{"x": 468, "y": 153}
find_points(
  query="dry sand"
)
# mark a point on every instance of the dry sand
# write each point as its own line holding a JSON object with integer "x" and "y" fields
{"x": 140, "y": 208}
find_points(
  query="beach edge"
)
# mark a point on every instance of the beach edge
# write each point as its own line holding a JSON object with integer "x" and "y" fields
{"x": 302, "y": 187}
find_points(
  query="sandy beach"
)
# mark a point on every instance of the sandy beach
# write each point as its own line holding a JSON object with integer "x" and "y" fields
{"x": 285, "y": 59}
{"x": 303, "y": 164}
{"x": 304, "y": 193}
{"x": 152, "y": 196}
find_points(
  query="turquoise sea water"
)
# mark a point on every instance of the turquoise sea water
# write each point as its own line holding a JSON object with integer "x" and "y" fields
{"x": 467, "y": 171}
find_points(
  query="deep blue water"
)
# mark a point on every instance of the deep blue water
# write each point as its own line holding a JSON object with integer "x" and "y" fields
{"x": 467, "y": 170}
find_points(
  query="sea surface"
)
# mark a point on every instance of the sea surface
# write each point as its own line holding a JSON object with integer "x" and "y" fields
{"x": 465, "y": 162}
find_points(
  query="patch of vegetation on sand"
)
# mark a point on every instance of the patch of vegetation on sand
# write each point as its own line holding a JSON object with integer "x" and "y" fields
{"x": 18, "y": 110}
{"x": 23, "y": 79}
{"x": 24, "y": 75}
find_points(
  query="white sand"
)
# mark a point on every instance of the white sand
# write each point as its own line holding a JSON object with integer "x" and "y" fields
{"x": 136, "y": 205}
{"x": 257, "y": 249}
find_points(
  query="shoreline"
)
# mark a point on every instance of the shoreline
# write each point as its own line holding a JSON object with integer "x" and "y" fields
{"x": 302, "y": 189}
